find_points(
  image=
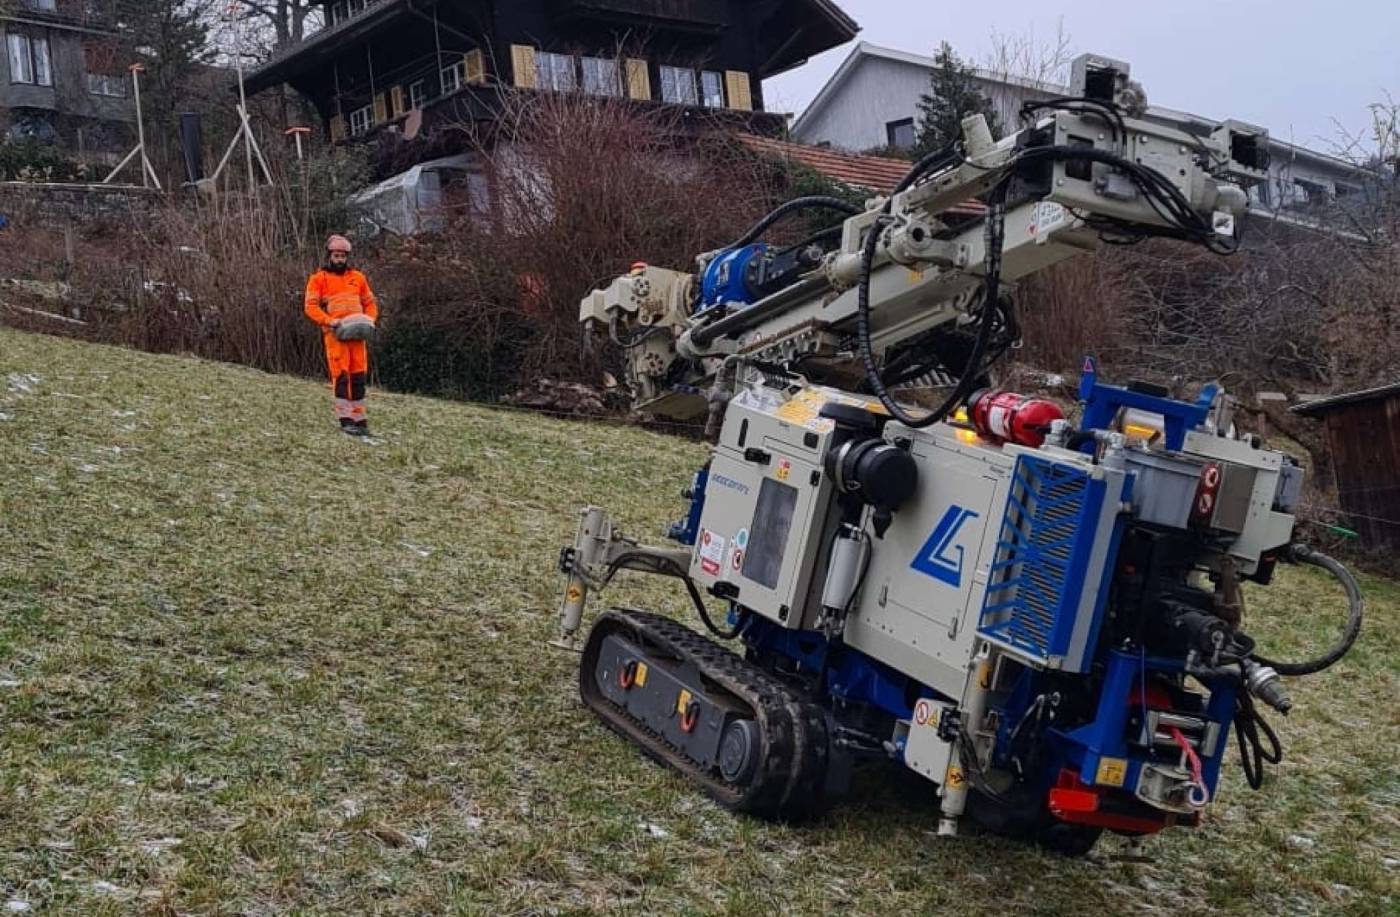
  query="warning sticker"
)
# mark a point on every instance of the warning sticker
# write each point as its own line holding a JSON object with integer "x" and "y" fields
{"x": 804, "y": 408}
{"x": 1112, "y": 772}
{"x": 922, "y": 711}
{"x": 1049, "y": 217}
{"x": 736, "y": 559}
{"x": 574, "y": 593}
{"x": 784, "y": 470}
{"x": 955, "y": 777}
{"x": 801, "y": 410}
{"x": 711, "y": 551}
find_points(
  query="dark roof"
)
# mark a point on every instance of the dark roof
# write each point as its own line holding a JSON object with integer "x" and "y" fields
{"x": 1323, "y": 405}
{"x": 320, "y": 48}
{"x": 808, "y": 38}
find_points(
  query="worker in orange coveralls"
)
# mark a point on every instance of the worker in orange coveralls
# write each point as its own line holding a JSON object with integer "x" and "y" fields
{"x": 338, "y": 294}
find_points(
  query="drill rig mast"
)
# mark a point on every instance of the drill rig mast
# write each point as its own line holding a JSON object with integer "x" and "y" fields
{"x": 1042, "y": 618}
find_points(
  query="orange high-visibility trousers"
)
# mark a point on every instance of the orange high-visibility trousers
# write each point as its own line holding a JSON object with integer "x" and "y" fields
{"x": 331, "y": 296}
{"x": 348, "y": 362}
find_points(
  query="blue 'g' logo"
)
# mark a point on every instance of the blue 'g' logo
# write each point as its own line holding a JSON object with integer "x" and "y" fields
{"x": 939, "y": 557}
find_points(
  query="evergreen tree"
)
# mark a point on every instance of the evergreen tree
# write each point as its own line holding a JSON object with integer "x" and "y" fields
{"x": 952, "y": 96}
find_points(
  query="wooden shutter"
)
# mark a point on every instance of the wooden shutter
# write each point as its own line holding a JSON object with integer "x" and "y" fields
{"x": 740, "y": 96}
{"x": 476, "y": 67}
{"x": 381, "y": 108}
{"x": 638, "y": 79}
{"x": 396, "y": 106}
{"x": 337, "y": 128}
{"x": 522, "y": 58}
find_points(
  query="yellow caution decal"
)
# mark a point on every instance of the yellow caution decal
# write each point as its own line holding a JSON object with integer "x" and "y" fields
{"x": 1112, "y": 772}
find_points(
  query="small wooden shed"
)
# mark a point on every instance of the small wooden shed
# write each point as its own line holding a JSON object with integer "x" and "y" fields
{"x": 1363, "y": 433}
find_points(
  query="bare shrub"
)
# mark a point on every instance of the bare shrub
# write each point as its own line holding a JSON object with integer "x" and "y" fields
{"x": 1071, "y": 310}
{"x": 583, "y": 187}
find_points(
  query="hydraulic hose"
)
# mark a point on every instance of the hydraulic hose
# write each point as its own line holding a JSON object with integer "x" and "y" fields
{"x": 991, "y": 278}
{"x": 1355, "y": 609}
{"x": 815, "y": 202}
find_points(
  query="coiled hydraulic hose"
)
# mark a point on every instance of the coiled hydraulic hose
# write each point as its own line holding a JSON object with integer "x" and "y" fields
{"x": 1355, "y": 609}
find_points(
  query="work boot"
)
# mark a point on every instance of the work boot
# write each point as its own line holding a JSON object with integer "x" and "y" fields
{"x": 363, "y": 427}
{"x": 348, "y": 426}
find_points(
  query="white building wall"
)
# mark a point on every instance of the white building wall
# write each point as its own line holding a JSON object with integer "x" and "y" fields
{"x": 878, "y": 91}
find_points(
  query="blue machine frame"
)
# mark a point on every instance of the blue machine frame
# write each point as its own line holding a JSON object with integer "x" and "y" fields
{"x": 1101, "y": 404}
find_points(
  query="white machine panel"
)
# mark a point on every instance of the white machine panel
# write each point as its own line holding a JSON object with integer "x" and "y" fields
{"x": 918, "y": 609}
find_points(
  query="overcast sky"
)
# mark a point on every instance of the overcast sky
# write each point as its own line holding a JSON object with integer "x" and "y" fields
{"x": 1291, "y": 66}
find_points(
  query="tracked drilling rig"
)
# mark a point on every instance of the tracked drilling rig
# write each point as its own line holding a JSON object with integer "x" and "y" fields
{"x": 1042, "y": 616}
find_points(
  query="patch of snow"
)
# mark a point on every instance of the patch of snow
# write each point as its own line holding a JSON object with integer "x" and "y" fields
{"x": 421, "y": 552}
{"x": 123, "y": 413}
{"x": 160, "y": 845}
{"x": 86, "y": 468}
{"x": 4, "y": 416}
{"x": 10, "y": 683}
{"x": 22, "y": 383}
{"x": 16, "y": 906}
{"x": 106, "y": 888}
{"x": 1302, "y": 841}
{"x": 474, "y": 823}
{"x": 654, "y": 830}
{"x": 420, "y": 841}
{"x": 350, "y": 807}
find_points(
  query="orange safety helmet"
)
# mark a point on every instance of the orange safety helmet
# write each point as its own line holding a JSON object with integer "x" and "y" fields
{"x": 338, "y": 243}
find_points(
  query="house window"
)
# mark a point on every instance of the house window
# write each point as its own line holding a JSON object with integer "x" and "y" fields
{"x": 417, "y": 93}
{"x": 48, "y": 5}
{"x": 104, "y": 84}
{"x": 554, "y": 71}
{"x": 600, "y": 77}
{"x": 1312, "y": 192}
{"x": 678, "y": 86}
{"x": 900, "y": 134}
{"x": 712, "y": 88}
{"x": 360, "y": 120}
{"x": 1260, "y": 193}
{"x": 29, "y": 60}
{"x": 339, "y": 13}
{"x": 453, "y": 77}
{"x": 356, "y": 7}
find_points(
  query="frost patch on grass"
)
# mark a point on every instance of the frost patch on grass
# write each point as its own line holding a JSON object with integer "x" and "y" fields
{"x": 16, "y": 906}
{"x": 22, "y": 383}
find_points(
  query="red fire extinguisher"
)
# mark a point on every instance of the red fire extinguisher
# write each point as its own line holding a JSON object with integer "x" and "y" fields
{"x": 1006, "y": 417}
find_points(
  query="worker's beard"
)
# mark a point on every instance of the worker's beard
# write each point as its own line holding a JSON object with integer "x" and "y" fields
{"x": 337, "y": 268}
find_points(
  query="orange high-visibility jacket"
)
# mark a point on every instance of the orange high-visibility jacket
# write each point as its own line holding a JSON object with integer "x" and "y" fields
{"x": 332, "y": 296}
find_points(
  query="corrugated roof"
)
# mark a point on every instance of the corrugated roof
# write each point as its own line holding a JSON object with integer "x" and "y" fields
{"x": 868, "y": 173}
{"x": 1322, "y": 405}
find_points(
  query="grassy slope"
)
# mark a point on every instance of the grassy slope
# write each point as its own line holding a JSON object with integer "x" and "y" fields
{"x": 250, "y": 666}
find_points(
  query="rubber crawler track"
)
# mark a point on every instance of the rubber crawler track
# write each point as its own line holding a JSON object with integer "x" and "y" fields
{"x": 788, "y": 782}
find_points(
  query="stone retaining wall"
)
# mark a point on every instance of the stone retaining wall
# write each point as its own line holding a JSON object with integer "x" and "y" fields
{"x": 55, "y": 205}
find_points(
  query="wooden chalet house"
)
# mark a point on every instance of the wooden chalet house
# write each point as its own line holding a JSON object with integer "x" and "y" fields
{"x": 408, "y": 65}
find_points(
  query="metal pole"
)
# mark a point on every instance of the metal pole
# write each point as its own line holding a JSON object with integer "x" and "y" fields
{"x": 243, "y": 100}
{"x": 140, "y": 128}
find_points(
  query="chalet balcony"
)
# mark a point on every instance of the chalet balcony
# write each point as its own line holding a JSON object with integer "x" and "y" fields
{"x": 98, "y": 15}
{"x": 708, "y": 16}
